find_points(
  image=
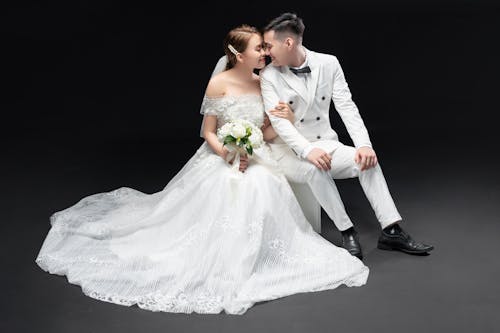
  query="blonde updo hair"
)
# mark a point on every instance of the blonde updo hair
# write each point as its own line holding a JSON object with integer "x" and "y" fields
{"x": 238, "y": 38}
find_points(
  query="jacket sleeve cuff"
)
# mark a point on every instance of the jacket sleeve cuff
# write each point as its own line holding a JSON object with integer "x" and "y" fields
{"x": 364, "y": 145}
{"x": 306, "y": 151}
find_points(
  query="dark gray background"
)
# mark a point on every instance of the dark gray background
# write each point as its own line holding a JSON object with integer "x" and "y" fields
{"x": 106, "y": 94}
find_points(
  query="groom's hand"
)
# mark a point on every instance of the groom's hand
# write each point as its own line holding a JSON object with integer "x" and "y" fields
{"x": 320, "y": 158}
{"x": 365, "y": 157}
{"x": 283, "y": 110}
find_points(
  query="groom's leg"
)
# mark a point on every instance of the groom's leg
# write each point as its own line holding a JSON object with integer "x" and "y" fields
{"x": 321, "y": 184}
{"x": 372, "y": 181}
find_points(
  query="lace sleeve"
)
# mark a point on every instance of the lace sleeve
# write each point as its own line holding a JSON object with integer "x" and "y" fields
{"x": 211, "y": 106}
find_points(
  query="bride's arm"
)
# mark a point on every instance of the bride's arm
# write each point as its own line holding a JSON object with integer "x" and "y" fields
{"x": 215, "y": 88}
{"x": 268, "y": 131}
{"x": 209, "y": 134}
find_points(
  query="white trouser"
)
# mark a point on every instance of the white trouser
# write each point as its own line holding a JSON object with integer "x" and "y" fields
{"x": 324, "y": 189}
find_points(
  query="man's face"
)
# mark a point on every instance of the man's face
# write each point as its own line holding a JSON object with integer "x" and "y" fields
{"x": 276, "y": 49}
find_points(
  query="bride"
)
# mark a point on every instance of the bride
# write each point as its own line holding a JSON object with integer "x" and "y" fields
{"x": 223, "y": 234}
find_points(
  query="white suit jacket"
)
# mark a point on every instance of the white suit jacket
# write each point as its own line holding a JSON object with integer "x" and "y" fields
{"x": 311, "y": 105}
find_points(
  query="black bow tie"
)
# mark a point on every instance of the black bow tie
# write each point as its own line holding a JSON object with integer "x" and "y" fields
{"x": 301, "y": 70}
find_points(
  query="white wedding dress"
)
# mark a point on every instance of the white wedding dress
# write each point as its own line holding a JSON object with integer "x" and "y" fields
{"x": 214, "y": 239}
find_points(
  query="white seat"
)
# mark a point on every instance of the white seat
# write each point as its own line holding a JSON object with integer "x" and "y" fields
{"x": 309, "y": 204}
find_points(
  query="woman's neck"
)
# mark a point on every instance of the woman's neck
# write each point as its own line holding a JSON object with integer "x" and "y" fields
{"x": 243, "y": 72}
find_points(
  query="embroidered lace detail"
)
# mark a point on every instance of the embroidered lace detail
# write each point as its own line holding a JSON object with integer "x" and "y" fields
{"x": 304, "y": 256}
{"x": 191, "y": 247}
{"x": 249, "y": 107}
{"x": 204, "y": 302}
{"x": 54, "y": 261}
{"x": 207, "y": 156}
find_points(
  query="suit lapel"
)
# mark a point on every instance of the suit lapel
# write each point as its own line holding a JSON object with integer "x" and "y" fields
{"x": 294, "y": 82}
{"x": 307, "y": 93}
{"x": 312, "y": 83}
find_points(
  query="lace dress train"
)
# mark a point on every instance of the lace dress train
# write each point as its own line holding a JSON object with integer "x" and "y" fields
{"x": 214, "y": 239}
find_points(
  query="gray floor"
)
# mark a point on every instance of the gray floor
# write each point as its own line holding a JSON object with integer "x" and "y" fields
{"x": 447, "y": 195}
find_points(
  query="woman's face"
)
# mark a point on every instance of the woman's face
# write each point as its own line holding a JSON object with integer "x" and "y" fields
{"x": 254, "y": 54}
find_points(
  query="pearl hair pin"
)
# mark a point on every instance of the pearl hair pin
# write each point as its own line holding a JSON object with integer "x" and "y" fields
{"x": 232, "y": 49}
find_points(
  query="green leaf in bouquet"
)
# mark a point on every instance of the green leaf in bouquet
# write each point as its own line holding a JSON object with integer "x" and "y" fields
{"x": 249, "y": 149}
{"x": 229, "y": 139}
{"x": 249, "y": 131}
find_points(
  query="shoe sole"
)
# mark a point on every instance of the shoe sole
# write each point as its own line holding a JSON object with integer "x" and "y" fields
{"x": 383, "y": 246}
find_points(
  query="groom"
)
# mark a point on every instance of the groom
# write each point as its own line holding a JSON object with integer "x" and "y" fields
{"x": 309, "y": 150}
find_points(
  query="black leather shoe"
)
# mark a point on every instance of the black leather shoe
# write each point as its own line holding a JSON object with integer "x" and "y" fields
{"x": 350, "y": 242}
{"x": 396, "y": 239}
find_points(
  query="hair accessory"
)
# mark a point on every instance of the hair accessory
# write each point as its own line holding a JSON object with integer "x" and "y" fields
{"x": 232, "y": 49}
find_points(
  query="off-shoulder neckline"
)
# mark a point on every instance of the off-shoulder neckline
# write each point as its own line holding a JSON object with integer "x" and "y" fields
{"x": 249, "y": 95}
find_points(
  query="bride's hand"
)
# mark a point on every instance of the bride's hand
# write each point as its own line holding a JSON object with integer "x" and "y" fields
{"x": 283, "y": 110}
{"x": 243, "y": 159}
{"x": 243, "y": 162}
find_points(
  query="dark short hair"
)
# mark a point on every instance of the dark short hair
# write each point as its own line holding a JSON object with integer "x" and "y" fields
{"x": 287, "y": 22}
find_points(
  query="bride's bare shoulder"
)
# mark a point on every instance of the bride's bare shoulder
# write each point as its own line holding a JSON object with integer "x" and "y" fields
{"x": 217, "y": 85}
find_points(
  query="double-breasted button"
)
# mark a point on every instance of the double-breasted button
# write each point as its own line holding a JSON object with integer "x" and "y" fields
{"x": 291, "y": 102}
{"x": 323, "y": 97}
{"x": 317, "y": 118}
{"x": 319, "y": 136}
{"x": 301, "y": 120}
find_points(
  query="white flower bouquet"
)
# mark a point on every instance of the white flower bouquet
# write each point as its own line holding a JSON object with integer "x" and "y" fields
{"x": 240, "y": 136}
